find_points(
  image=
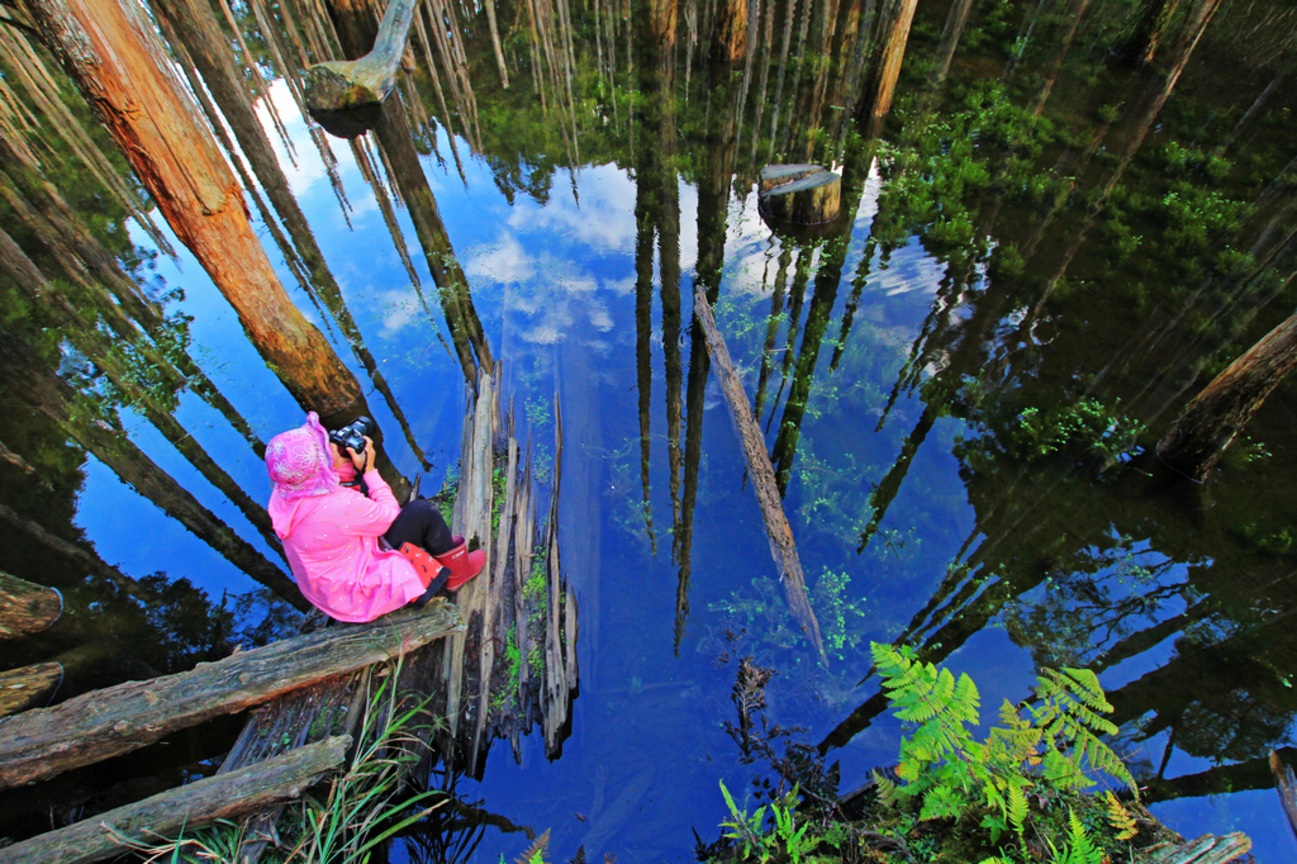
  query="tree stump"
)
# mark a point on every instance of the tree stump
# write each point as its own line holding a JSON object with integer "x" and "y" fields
{"x": 338, "y": 91}
{"x": 800, "y": 194}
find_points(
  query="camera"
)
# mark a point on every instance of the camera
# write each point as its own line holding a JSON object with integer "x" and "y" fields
{"x": 353, "y": 435}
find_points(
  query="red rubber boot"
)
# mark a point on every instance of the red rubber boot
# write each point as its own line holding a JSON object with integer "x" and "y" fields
{"x": 464, "y": 565}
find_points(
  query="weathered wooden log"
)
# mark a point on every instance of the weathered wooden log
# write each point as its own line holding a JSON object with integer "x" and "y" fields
{"x": 26, "y": 608}
{"x": 782, "y": 547}
{"x": 95, "y": 726}
{"x": 22, "y": 688}
{"x": 186, "y": 808}
{"x": 112, "y": 52}
{"x": 294, "y": 720}
{"x": 801, "y": 194}
{"x": 337, "y": 85}
{"x": 1207, "y": 849}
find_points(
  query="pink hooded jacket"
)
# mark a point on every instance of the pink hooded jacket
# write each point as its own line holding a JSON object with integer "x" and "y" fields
{"x": 334, "y": 549}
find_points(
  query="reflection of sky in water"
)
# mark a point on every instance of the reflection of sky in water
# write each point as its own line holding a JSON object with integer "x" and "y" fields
{"x": 554, "y": 285}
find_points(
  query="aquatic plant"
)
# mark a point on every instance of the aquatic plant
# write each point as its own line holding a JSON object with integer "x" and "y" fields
{"x": 954, "y": 798}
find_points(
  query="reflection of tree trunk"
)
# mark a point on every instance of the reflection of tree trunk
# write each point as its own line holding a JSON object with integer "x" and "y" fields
{"x": 1150, "y": 24}
{"x": 955, "y": 21}
{"x": 111, "y": 53}
{"x": 80, "y": 556}
{"x": 772, "y": 327}
{"x": 1256, "y": 106}
{"x": 817, "y": 325}
{"x": 885, "y": 56}
{"x": 90, "y": 267}
{"x": 644, "y": 333}
{"x": 1071, "y": 20}
{"x": 456, "y": 298}
{"x": 731, "y": 31}
{"x": 1209, "y": 423}
{"x": 30, "y": 381}
{"x": 90, "y": 342}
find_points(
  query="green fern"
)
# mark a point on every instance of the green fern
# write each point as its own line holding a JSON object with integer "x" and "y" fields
{"x": 949, "y": 774}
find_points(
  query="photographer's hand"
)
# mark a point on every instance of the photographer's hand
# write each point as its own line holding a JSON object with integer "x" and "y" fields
{"x": 364, "y": 462}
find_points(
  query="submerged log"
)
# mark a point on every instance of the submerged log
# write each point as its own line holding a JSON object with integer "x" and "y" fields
{"x": 40, "y": 744}
{"x": 782, "y": 547}
{"x": 22, "y": 688}
{"x": 337, "y": 85}
{"x": 801, "y": 194}
{"x": 224, "y": 796}
{"x": 25, "y": 607}
{"x": 1286, "y": 783}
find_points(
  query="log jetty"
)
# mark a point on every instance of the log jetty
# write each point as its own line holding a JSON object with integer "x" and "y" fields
{"x": 495, "y": 662}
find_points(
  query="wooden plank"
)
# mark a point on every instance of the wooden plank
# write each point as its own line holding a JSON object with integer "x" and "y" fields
{"x": 224, "y": 796}
{"x": 42, "y": 743}
{"x": 1286, "y": 784}
{"x": 25, "y": 607}
{"x": 22, "y": 688}
{"x": 780, "y": 533}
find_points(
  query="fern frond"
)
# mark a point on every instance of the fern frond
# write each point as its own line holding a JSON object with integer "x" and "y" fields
{"x": 1082, "y": 850}
{"x": 1119, "y": 817}
{"x": 535, "y": 853}
{"x": 1018, "y": 811}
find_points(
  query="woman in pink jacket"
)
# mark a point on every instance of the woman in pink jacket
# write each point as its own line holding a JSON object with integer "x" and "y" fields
{"x": 342, "y": 545}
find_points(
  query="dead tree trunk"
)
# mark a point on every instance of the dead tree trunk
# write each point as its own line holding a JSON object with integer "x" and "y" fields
{"x": 1209, "y": 423}
{"x": 103, "y": 723}
{"x": 114, "y": 56}
{"x": 780, "y": 533}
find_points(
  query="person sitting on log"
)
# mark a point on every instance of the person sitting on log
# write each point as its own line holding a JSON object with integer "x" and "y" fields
{"x": 342, "y": 544}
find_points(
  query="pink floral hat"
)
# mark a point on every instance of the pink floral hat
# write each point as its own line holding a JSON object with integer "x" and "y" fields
{"x": 300, "y": 462}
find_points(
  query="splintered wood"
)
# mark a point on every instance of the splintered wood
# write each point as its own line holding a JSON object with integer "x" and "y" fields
{"x": 515, "y": 665}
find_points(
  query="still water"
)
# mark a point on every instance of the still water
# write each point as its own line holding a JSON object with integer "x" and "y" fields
{"x": 1045, "y": 256}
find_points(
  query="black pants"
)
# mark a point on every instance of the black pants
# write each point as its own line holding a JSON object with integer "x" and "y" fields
{"x": 420, "y": 523}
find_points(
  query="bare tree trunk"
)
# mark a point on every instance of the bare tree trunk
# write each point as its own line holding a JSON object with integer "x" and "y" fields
{"x": 1216, "y": 415}
{"x": 115, "y": 58}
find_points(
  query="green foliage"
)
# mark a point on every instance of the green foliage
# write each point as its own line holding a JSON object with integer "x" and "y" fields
{"x": 951, "y": 797}
{"x": 1084, "y": 427}
{"x": 948, "y": 774}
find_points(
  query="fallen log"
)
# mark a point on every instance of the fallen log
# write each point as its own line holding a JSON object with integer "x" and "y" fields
{"x": 344, "y": 85}
{"x": 45, "y": 742}
{"x": 26, "y": 608}
{"x": 22, "y": 688}
{"x": 782, "y": 547}
{"x": 1207, "y": 849}
{"x": 185, "y": 808}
